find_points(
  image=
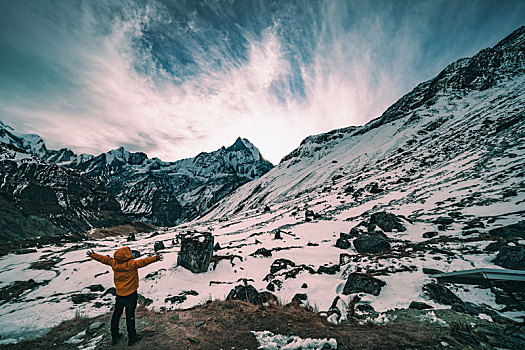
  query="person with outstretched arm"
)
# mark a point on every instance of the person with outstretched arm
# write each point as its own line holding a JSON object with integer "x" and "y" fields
{"x": 126, "y": 278}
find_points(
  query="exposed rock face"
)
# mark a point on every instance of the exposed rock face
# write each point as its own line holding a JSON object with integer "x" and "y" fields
{"x": 196, "y": 252}
{"x": 417, "y": 305}
{"x": 358, "y": 282}
{"x": 342, "y": 243}
{"x": 246, "y": 293}
{"x": 511, "y": 257}
{"x": 371, "y": 243}
{"x": 515, "y": 230}
{"x": 39, "y": 198}
{"x": 387, "y": 222}
{"x": 441, "y": 294}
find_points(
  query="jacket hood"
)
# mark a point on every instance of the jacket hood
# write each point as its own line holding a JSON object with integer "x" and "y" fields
{"x": 122, "y": 255}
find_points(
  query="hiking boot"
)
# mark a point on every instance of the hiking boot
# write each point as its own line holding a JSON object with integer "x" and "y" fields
{"x": 135, "y": 339}
{"x": 115, "y": 340}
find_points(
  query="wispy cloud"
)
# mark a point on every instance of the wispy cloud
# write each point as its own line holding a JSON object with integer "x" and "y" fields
{"x": 177, "y": 78}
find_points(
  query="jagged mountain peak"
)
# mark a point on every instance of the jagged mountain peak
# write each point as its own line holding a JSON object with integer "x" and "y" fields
{"x": 243, "y": 144}
{"x": 515, "y": 39}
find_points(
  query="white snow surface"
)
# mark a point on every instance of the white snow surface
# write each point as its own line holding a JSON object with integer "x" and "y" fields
{"x": 269, "y": 341}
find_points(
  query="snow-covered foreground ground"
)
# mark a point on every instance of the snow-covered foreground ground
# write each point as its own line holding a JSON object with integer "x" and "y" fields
{"x": 308, "y": 243}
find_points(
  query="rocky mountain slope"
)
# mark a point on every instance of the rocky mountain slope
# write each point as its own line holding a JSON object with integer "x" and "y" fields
{"x": 163, "y": 193}
{"x": 467, "y": 122}
{"x": 352, "y": 224}
{"x": 41, "y": 198}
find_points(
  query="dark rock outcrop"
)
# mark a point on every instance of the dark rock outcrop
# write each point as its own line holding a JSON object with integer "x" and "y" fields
{"x": 387, "y": 222}
{"x": 417, "y": 305}
{"x": 441, "y": 294}
{"x": 159, "y": 245}
{"x": 196, "y": 252}
{"x": 357, "y": 283}
{"x": 371, "y": 243}
{"x": 511, "y": 257}
{"x": 330, "y": 270}
{"x": 82, "y": 298}
{"x": 516, "y": 230}
{"x": 281, "y": 264}
{"x": 39, "y": 198}
{"x": 262, "y": 252}
{"x": 342, "y": 243}
{"x": 246, "y": 293}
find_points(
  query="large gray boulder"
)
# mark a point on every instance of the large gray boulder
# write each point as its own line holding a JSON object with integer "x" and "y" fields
{"x": 511, "y": 257}
{"x": 358, "y": 282}
{"x": 371, "y": 243}
{"x": 196, "y": 252}
{"x": 387, "y": 222}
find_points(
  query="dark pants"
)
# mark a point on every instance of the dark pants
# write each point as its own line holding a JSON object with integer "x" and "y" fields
{"x": 130, "y": 303}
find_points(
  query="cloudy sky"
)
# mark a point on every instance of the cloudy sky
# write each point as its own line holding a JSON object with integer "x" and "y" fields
{"x": 173, "y": 78}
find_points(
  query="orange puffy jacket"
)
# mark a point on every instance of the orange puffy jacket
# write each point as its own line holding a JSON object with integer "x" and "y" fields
{"x": 125, "y": 268}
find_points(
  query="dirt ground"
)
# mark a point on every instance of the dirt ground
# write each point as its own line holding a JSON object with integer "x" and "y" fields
{"x": 228, "y": 325}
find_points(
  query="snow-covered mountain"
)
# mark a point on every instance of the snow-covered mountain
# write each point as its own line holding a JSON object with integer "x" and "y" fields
{"x": 41, "y": 198}
{"x": 465, "y": 124}
{"x": 163, "y": 193}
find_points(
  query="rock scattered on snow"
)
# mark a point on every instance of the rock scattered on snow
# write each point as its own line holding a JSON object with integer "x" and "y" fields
{"x": 441, "y": 294}
{"x": 371, "y": 243}
{"x": 419, "y": 305}
{"x": 357, "y": 283}
{"x": 196, "y": 252}
{"x": 96, "y": 288}
{"x": 511, "y": 257}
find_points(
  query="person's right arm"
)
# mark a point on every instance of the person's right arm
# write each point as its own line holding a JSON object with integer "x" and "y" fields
{"x": 106, "y": 260}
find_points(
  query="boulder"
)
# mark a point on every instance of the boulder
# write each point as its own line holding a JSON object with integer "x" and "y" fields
{"x": 82, "y": 298}
{"x": 330, "y": 270}
{"x": 515, "y": 230}
{"x": 444, "y": 220}
{"x": 441, "y": 294}
{"x": 417, "y": 305}
{"x": 342, "y": 243}
{"x": 262, "y": 252}
{"x": 94, "y": 327}
{"x": 131, "y": 237}
{"x": 371, "y": 243}
{"x": 142, "y": 300}
{"x": 297, "y": 298}
{"x": 110, "y": 290}
{"x": 429, "y": 271}
{"x": 429, "y": 234}
{"x": 511, "y": 257}
{"x": 358, "y": 282}
{"x": 266, "y": 297}
{"x": 177, "y": 299}
{"x": 373, "y": 188}
{"x": 196, "y": 252}
{"x": 387, "y": 221}
{"x": 246, "y": 293}
{"x": 217, "y": 247}
{"x": 96, "y": 288}
{"x": 467, "y": 308}
{"x": 281, "y": 264}
{"x": 274, "y": 285}
{"x": 159, "y": 245}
